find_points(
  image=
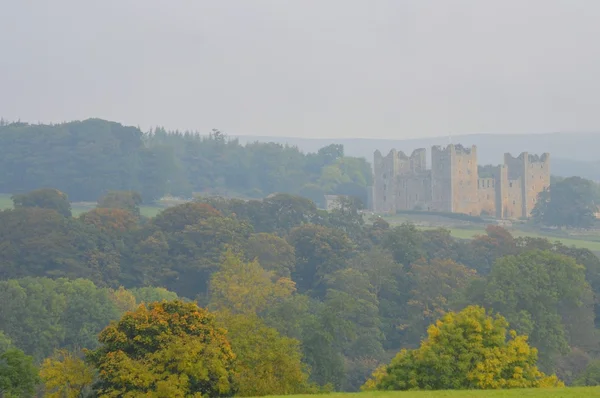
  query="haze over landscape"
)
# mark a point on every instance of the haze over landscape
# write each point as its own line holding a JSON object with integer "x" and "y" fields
{"x": 200, "y": 198}
{"x": 335, "y": 69}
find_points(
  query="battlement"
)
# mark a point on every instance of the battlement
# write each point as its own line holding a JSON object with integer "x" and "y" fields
{"x": 530, "y": 158}
{"x": 457, "y": 149}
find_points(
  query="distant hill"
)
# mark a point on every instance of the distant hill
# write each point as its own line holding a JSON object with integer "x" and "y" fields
{"x": 571, "y": 153}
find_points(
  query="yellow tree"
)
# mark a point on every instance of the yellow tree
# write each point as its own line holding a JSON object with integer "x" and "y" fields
{"x": 168, "y": 349}
{"x": 267, "y": 363}
{"x": 66, "y": 375}
{"x": 465, "y": 350}
{"x": 245, "y": 287}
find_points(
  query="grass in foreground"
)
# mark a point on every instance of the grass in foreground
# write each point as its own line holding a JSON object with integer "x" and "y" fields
{"x": 575, "y": 392}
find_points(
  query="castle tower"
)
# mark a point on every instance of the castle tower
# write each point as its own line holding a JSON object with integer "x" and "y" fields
{"x": 528, "y": 175}
{"x": 454, "y": 179}
{"x": 400, "y": 181}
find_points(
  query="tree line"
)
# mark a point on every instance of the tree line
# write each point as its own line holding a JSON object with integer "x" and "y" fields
{"x": 337, "y": 301}
{"x": 86, "y": 159}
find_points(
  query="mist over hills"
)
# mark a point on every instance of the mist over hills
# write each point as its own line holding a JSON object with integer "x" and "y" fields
{"x": 571, "y": 153}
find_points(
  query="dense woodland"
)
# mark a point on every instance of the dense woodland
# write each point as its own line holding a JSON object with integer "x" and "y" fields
{"x": 89, "y": 158}
{"x": 300, "y": 300}
{"x": 222, "y": 296}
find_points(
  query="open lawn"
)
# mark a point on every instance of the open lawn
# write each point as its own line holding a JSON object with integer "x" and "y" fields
{"x": 579, "y": 392}
{"x": 469, "y": 232}
{"x": 78, "y": 208}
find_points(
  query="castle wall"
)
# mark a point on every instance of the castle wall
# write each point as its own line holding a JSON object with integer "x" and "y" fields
{"x": 393, "y": 182}
{"x": 486, "y": 192}
{"x": 454, "y": 183}
{"x": 441, "y": 179}
{"x": 537, "y": 178}
{"x": 464, "y": 180}
{"x": 414, "y": 191}
{"x": 533, "y": 171}
{"x": 513, "y": 199}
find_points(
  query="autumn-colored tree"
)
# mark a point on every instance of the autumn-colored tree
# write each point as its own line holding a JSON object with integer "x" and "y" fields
{"x": 123, "y": 299}
{"x": 109, "y": 220}
{"x": 172, "y": 349}
{"x": 245, "y": 287}
{"x": 126, "y": 200}
{"x": 267, "y": 363}
{"x": 66, "y": 375}
{"x": 466, "y": 350}
{"x": 45, "y": 198}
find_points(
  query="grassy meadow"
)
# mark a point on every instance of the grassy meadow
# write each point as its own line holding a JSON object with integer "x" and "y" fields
{"x": 575, "y": 392}
{"x": 78, "y": 208}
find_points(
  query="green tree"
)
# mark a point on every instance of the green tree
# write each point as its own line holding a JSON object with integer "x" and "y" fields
{"x": 590, "y": 376}
{"x": 151, "y": 294}
{"x": 544, "y": 295}
{"x": 165, "y": 349}
{"x": 272, "y": 252}
{"x": 18, "y": 374}
{"x": 45, "y": 198}
{"x": 567, "y": 203}
{"x": 319, "y": 251}
{"x": 437, "y": 286}
{"x": 266, "y": 362}
{"x": 466, "y": 350}
{"x": 405, "y": 243}
{"x": 41, "y": 314}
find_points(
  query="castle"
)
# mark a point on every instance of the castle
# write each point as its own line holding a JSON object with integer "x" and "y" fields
{"x": 457, "y": 184}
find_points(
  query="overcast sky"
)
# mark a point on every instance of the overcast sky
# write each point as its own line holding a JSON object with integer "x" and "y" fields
{"x": 343, "y": 68}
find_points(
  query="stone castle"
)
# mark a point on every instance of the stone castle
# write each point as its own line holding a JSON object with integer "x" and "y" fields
{"x": 457, "y": 184}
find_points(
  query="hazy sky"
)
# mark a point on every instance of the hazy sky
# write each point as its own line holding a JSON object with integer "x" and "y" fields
{"x": 343, "y": 68}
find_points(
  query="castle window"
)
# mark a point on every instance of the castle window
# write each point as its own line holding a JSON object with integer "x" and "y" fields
{"x": 510, "y": 184}
{"x": 488, "y": 196}
{"x": 514, "y": 202}
{"x": 488, "y": 183}
{"x": 384, "y": 198}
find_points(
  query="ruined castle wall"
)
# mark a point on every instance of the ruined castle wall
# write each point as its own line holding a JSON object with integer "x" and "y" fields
{"x": 537, "y": 178}
{"x": 513, "y": 199}
{"x": 533, "y": 171}
{"x": 464, "y": 180}
{"x": 383, "y": 184}
{"x": 398, "y": 178}
{"x": 441, "y": 179}
{"x": 486, "y": 192}
{"x": 414, "y": 191}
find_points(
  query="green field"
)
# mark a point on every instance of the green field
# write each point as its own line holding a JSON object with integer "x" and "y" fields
{"x": 591, "y": 242}
{"x": 579, "y": 392}
{"x": 77, "y": 209}
{"x": 468, "y": 233}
